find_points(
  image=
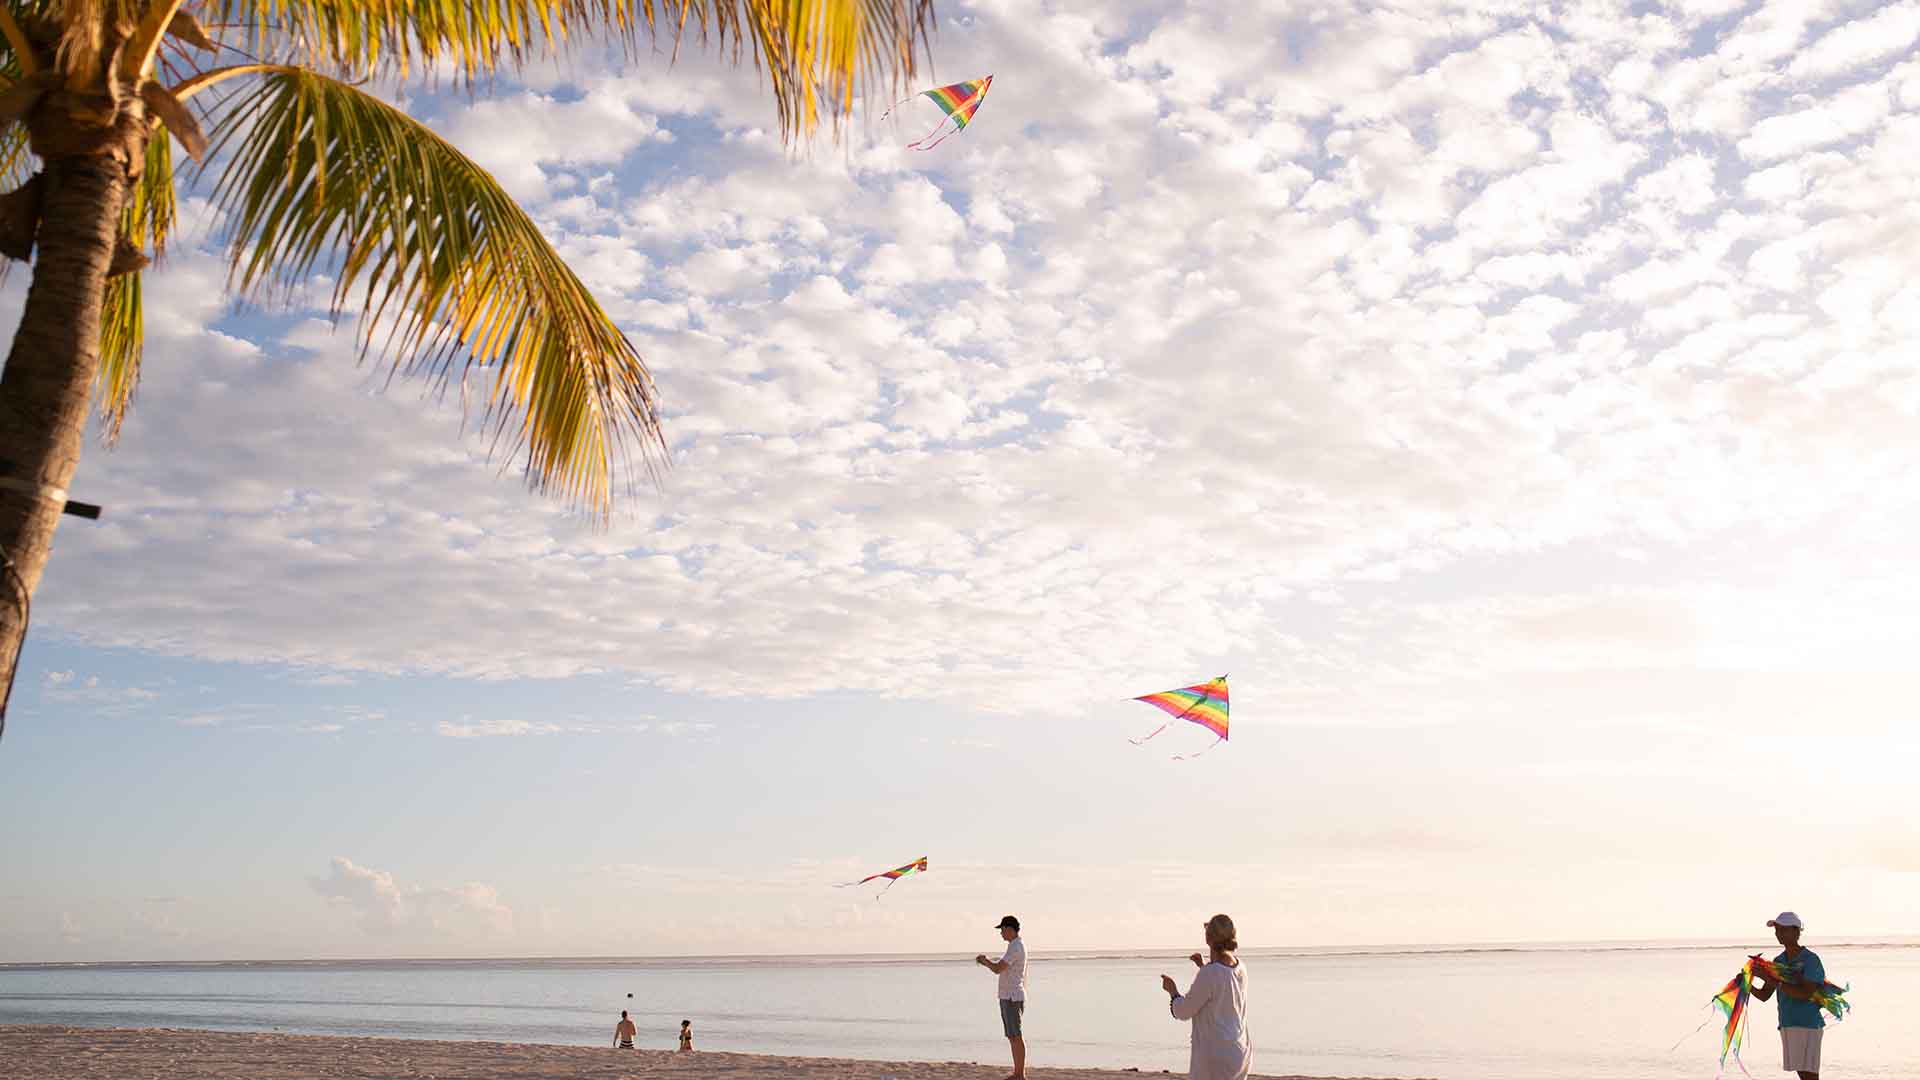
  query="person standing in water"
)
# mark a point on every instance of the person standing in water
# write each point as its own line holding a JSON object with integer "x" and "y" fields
{"x": 623, "y": 1032}
{"x": 1012, "y": 969}
{"x": 686, "y": 1035}
{"x": 1216, "y": 1004}
{"x": 1801, "y": 1024}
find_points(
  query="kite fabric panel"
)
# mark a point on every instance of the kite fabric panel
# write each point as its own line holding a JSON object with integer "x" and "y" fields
{"x": 917, "y": 866}
{"x": 1204, "y": 704}
{"x": 959, "y": 101}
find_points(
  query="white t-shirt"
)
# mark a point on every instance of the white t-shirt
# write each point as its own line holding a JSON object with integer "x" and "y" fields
{"x": 1013, "y": 980}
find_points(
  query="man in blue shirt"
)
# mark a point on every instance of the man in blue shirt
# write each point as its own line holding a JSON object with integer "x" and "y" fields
{"x": 1800, "y": 1021}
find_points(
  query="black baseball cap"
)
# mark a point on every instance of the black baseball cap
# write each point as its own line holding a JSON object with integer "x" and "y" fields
{"x": 1007, "y": 921}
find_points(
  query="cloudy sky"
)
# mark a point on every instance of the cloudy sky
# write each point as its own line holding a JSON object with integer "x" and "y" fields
{"x": 1520, "y": 405}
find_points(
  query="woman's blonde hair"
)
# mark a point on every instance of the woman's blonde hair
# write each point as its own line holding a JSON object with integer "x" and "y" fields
{"x": 1221, "y": 934}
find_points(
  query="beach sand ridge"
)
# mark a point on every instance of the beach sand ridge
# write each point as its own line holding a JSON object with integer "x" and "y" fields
{"x": 74, "y": 1053}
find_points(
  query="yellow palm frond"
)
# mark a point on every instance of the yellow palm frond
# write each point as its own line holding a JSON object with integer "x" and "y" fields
{"x": 818, "y": 54}
{"x": 445, "y": 269}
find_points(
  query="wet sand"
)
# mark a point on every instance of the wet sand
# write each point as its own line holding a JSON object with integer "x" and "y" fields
{"x": 69, "y": 1053}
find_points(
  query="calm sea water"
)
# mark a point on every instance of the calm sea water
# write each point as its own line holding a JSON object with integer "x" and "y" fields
{"x": 1533, "y": 1013}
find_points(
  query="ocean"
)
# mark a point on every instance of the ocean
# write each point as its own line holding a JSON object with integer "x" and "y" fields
{"x": 1525, "y": 1013}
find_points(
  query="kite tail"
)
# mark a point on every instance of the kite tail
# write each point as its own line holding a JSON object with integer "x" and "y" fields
{"x": 1142, "y": 740}
{"x": 1197, "y": 753}
{"x": 944, "y": 130}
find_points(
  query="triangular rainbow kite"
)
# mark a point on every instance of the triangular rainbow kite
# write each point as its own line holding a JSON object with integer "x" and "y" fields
{"x": 917, "y": 866}
{"x": 960, "y": 101}
{"x": 1205, "y": 704}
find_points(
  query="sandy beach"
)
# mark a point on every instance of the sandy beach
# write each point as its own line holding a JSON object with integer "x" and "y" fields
{"x": 70, "y": 1053}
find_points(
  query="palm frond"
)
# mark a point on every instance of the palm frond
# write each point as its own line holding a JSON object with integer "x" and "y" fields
{"x": 149, "y": 214}
{"x": 16, "y": 160}
{"x": 818, "y": 54}
{"x": 147, "y": 220}
{"x": 122, "y": 341}
{"x": 446, "y": 271}
{"x": 19, "y": 54}
{"x": 17, "y": 166}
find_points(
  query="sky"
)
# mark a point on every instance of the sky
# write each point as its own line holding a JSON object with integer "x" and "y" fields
{"x": 1518, "y": 402}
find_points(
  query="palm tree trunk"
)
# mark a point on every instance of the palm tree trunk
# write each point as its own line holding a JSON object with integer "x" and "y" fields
{"x": 48, "y": 382}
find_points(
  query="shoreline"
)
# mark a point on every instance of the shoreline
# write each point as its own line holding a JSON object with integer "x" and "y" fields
{"x": 45, "y": 1052}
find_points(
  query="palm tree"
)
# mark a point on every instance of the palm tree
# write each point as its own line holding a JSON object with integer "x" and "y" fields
{"x": 313, "y": 172}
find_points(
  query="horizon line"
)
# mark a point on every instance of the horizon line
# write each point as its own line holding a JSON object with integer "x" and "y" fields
{"x": 1058, "y": 953}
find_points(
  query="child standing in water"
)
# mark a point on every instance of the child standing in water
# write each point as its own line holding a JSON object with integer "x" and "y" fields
{"x": 686, "y": 1034}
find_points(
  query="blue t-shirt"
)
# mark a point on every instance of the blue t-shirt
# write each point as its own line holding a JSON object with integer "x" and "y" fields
{"x": 1794, "y": 1012}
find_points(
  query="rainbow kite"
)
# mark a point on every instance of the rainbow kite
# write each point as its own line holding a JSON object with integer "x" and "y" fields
{"x": 959, "y": 100}
{"x": 1205, "y": 704}
{"x": 1732, "y": 1000}
{"x": 917, "y": 866}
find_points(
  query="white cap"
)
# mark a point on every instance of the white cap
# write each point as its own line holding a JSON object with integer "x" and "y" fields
{"x": 1787, "y": 918}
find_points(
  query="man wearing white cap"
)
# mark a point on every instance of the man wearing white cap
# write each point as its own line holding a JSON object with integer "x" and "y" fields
{"x": 1800, "y": 1021}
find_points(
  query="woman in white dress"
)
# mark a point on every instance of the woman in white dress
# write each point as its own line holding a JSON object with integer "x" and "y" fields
{"x": 1217, "y": 1005}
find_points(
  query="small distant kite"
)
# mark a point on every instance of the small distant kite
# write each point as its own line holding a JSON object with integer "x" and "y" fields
{"x": 959, "y": 100}
{"x": 1205, "y": 704}
{"x": 917, "y": 866}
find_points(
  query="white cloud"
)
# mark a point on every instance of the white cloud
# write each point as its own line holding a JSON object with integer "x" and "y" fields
{"x": 1857, "y": 43}
{"x": 468, "y": 729}
{"x": 384, "y": 906}
{"x": 1406, "y": 294}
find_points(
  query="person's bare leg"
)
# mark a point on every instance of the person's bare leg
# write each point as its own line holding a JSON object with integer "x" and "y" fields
{"x": 1019, "y": 1044}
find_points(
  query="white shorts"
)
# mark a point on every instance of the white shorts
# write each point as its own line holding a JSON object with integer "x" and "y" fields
{"x": 1800, "y": 1049}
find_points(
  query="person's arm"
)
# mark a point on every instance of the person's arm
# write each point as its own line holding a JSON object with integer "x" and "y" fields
{"x": 1188, "y": 1005}
{"x": 1801, "y": 984}
{"x": 997, "y": 966}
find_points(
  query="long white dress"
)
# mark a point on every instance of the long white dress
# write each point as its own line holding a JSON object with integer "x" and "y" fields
{"x": 1217, "y": 1005}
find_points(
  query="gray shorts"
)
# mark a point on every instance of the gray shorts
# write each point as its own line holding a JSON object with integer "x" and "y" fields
{"x": 1010, "y": 1012}
{"x": 1800, "y": 1049}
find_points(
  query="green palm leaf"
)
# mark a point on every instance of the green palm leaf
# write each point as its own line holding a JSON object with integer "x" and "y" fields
{"x": 817, "y": 53}
{"x": 148, "y": 222}
{"x": 447, "y": 272}
{"x": 122, "y": 340}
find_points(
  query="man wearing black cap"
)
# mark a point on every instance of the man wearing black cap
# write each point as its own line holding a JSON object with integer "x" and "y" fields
{"x": 1012, "y": 969}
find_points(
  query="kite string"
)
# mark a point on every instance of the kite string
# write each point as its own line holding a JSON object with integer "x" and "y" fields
{"x": 1710, "y": 1009}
